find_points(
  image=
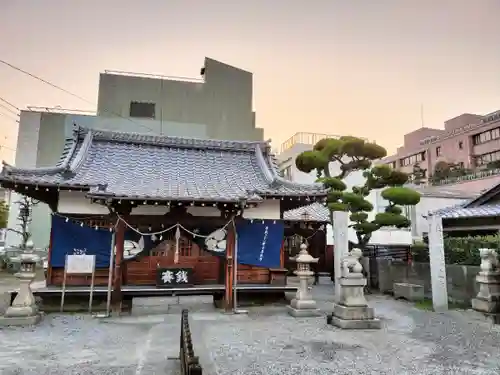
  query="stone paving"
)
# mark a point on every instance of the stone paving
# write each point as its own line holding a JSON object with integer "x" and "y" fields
{"x": 265, "y": 342}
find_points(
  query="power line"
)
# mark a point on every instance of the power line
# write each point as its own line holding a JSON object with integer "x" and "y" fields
{"x": 8, "y": 109}
{"x": 8, "y": 116}
{"x": 9, "y": 103}
{"x": 8, "y": 148}
{"x": 67, "y": 92}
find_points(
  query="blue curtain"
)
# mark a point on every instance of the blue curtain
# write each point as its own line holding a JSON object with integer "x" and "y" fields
{"x": 259, "y": 242}
{"x": 70, "y": 238}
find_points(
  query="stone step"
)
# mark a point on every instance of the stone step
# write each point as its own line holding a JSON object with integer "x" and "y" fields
{"x": 171, "y": 305}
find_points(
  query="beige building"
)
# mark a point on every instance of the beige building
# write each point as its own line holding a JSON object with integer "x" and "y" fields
{"x": 216, "y": 105}
{"x": 469, "y": 140}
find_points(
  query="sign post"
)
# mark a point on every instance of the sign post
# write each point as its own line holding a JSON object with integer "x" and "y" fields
{"x": 79, "y": 264}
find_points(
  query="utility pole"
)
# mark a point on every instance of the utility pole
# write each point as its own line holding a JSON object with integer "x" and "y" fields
{"x": 422, "y": 115}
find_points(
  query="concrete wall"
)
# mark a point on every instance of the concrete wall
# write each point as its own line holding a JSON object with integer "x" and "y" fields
{"x": 26, "y": 157}
{"x": 222, "y": 100}
{"x": 462, "y": 286}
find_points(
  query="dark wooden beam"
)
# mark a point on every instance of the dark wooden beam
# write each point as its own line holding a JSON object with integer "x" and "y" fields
{"x": 47, "y": 196}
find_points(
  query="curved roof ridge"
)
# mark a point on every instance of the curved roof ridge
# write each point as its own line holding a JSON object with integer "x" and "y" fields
{"x": 61, "y": 166}
{"x": 80, "y": 157}
{"x": 283, "y": 181}
{"x": 171, "y": 141}
{"x": 268, "y": 175}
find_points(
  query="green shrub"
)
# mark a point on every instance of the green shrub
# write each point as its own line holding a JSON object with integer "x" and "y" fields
{"x": 458, "y": 250}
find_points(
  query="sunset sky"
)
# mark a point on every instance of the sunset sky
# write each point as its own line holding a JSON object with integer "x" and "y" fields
{"x": 360, "y": 67}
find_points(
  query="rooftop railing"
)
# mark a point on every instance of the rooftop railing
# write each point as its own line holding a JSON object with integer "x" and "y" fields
{"x": 154, "y": 76}
{"x": 469, "y": 177}
{"x": 304, "y": 138}
{"x": 61, "y": 110}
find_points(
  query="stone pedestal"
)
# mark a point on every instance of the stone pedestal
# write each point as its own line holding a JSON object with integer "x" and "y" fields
{"x": 410, "y": 292}
{"x": 487, "y": 300}
{"x": 352, "y": 311}
{"x": 303, "y": 304}
{"x": 24, "y": 310}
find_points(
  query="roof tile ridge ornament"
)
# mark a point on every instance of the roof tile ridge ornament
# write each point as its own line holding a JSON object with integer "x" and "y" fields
{"x": 252, "y": 196}
{"x": 8, "y": 168}
{"x": 261, "y": 162}
{"x": 81, "y": 156}
{"x": 172, "y": 141}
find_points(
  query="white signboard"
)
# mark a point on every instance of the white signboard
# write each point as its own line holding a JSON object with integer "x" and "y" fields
{"x": 80, "y": 264}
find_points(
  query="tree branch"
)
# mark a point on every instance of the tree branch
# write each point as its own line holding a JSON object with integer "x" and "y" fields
{"x": 15, "y": 231}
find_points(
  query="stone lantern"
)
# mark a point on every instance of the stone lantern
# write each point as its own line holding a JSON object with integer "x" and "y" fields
{"x": 24, "y": 310}
{"x": 487, "y": 300}
{"x": 352, "y": 310}
{"x": 303, "y": 304}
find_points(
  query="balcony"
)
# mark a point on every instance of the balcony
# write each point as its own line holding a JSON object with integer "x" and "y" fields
{"x": 469, "y": 177}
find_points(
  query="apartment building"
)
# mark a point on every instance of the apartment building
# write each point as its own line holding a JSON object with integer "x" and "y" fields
{"x": 216, "y": 105}
{"x": 469, "y": 141}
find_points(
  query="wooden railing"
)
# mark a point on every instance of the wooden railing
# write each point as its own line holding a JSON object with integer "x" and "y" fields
{"x": 189, "y": 362}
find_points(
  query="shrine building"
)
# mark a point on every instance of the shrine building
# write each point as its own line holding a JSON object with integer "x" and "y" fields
{"x": 153, "y": 182}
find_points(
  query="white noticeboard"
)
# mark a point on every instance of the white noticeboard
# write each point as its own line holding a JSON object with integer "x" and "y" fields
{"x": 79, "y": 264}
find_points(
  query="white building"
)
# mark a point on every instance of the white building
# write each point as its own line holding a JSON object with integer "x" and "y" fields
{"x": 432, "y": 197}
{"x": 218, "y": 105}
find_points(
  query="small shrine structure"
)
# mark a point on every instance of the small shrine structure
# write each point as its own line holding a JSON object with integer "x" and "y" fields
{"x": 130, "y": 182}
{"x": 308, "y": 224}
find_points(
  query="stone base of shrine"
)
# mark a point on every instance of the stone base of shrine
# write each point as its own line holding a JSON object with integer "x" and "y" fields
{"x": 354, "y": 317}
{"x": 489, "y": 307}
{"x": 303, "y": 308}
{"x": 20, "y": 320}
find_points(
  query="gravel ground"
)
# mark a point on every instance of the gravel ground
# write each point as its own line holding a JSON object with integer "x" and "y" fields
{"x": 265, "y": 342}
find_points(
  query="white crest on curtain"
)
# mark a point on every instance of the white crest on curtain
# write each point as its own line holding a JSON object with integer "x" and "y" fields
{"x": 216, "y": 241}
{"x": 132, "y": 248}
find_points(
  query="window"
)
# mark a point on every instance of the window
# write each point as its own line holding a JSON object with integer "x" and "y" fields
{"x": 142, "y": 110}
{"x": 460, "y": 145}
{"x": 495, "y": 133}
{"x": 476, "y": 139}
{"x": 413, "y": 159}
{"x": 487, "y": 158}
{"x": 438, "y": 151}
{"x": 486, "y": 136}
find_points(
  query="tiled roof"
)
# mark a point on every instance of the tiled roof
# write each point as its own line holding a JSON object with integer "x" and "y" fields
{"x": 130, "y": 165}
{"x": 315, "y": 212}
{"x": 461, "y": 212}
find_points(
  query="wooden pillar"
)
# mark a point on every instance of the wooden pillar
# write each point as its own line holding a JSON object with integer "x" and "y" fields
{"x": 48, "y": 277}
{"x": 282, "y": 254}
{"x": 231, "y": 239}
{"x": 116, "y": 296}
